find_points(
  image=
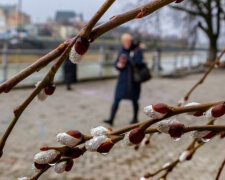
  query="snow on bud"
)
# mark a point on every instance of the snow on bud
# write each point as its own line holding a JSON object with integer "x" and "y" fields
{"x": 23, "y": 178}
{"x": 208, "y": 115}
{"x": 41, "y": 95}
{"x": 183, "y": 156}
{"x": 100, "y": 144}
{"x": 136, "y": 135}
{"x": 46, "y": 157}
{"x": 166, "y": 165}
{"x": 74, "y": 57}
{"x": 164, "y": 126}
{"x": 218, "y": 110}
{"x": 70, "y": 138}
{"x": 176, "y": 130}
{"x": 157, "y": 111}
{"x": 60, "y": 167}
{"x": 80, "y": 48}
{"x": 99, "y": 131}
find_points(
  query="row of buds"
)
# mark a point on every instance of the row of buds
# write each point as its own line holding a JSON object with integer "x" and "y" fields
{"x": 157, "y": 111}
{"x": 78, "y": 50}
{"x": 134, "y": 137}
{"x": 47, "y": 91}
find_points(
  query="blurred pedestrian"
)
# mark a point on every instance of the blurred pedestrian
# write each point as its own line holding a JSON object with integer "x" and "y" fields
{"x": 70, "y": 73}
{"x": 126, "y": 87}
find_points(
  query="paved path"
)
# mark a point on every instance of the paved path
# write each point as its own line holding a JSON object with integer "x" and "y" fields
{"x": 85, "y": 107}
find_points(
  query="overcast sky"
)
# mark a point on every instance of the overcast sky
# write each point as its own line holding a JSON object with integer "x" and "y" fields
{"x": 42, "y": 9}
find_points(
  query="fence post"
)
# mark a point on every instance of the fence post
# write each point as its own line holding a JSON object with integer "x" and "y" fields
{"x": 4, "y": 61}
{"x": 101, "y": 59}
{"x": 190, "y": 61}
{"x": 157, "y": 62}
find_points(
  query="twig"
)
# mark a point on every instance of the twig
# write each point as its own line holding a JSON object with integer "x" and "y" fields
{"x": 216, "y": 61}
{"x": 36, "y": 66}
{"x": 220, "y": 170}
{"x": 120, "y": 19}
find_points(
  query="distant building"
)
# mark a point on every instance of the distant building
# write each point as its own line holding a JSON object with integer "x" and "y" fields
{"x": 11, "y": 18}
{"x": 68, "y": 17}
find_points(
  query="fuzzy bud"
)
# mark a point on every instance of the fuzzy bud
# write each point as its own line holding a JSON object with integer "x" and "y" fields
{"x": 81, "y": 45}
{"x": 143, "y": 178}
{"x": 176, "y": 130}
{"x": 184, "y": 156}
{"x": 23, "y": 178}
{"x": 164, "y": 126}
{"x": 208, "y": 115}
{"x": 80, "y": 48}
{"x": 60, "y": 167}
{"x": 99, "y": 143}
{"x": 41, "y": 95}
{"x": 218, "y": 110}
{"x": 99, "y": 131}
{"x": 105, "y": 147}
{"x": 136, "y": 136}
{"x": 157, "y": 111}
{"x": 50, "y": 89}
{"x": 70, "y": 138}
{"x": 46, "y": 157}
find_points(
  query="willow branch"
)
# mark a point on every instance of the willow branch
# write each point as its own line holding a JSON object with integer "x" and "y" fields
{"x": 88, "y": 28}
{"x": 220, "y": 170}
{"x": 120, "y": 19}
{"x": 49, "y": 76}
{"x": 216, "y": 61}
{"x": 20, "y": 109}
{"x": 36, "y": 66}
{"x": 173, "y": 111}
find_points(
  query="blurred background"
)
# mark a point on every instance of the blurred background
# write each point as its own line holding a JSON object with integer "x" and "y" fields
{"x": 181, "y": 39}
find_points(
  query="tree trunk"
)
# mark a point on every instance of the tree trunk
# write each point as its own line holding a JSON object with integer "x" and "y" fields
{"x": 212, "y": 52}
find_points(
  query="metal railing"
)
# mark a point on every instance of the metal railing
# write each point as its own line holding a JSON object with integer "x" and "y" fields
{"x": 99, "y": 63}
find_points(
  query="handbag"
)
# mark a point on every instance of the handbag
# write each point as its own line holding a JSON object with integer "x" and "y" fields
{"x": 141, "y": 74}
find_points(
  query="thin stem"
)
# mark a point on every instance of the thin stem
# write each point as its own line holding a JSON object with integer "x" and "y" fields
{"x": 88, "y": 28}
{"x": 216, "y": 61}
{"x": 220, "y": 170}
{"x": 36, "y": 66}
{"x": 128, "y": 16}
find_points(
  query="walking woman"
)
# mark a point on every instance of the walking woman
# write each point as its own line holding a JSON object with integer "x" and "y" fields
{"x": 126, "y": 87}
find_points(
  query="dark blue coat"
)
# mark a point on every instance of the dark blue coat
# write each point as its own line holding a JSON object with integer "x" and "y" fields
{"x": 126, "y": 87}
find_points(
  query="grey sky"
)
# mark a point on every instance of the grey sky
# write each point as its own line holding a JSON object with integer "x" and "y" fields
{"x": 41, "y": 9}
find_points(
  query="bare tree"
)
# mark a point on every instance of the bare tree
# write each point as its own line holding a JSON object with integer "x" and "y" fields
{"x": 209, "y": 15}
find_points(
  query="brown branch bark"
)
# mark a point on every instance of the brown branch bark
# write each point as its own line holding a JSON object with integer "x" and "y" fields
{"x": 220, "y": 170}
{"x": 216, "y": 61}
{"x": 128, "y": 16}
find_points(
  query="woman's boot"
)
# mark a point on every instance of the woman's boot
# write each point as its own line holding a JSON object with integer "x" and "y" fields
{"x": 112, "y": 115}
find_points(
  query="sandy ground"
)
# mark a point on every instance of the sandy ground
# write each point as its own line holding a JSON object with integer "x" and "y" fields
{"x": 85, "y": 107}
